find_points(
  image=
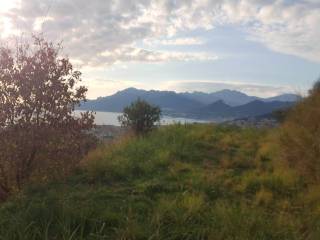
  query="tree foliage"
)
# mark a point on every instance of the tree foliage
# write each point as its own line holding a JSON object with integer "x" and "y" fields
{"x": 140, "y": 116}
{"x": 38, "y": 131}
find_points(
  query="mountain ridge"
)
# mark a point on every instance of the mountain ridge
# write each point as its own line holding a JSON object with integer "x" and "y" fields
{"x": 221, "y": 104}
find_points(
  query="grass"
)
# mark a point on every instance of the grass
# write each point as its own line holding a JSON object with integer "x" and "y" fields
{"x": 195, "y": 181}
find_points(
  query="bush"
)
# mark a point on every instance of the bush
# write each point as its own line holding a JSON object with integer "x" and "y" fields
{"x": 140, "y": 116}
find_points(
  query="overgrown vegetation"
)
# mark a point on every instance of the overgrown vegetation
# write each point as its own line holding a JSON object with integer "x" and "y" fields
{"x": 179, "y": 182}
{"x": 301, "y": 136}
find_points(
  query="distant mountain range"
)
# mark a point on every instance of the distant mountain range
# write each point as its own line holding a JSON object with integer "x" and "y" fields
{"x": 235, "y": 98}
{"x": 225, "y": 104}
{"x": 221, "y": 111}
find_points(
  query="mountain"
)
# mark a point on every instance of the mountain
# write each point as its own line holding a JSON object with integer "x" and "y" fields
{"x": 230, "y": 97}
{"x": 214, "y": 110}
{"x": 225, "y": 104}
{"x": 222, "y": 111}
{"x": 169, "y": 101}
{"x": 258, "y": 107}
{"x": 236, "y": 98}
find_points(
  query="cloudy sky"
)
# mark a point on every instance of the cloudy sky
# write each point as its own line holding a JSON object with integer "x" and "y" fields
{"x": 261, "y": 47}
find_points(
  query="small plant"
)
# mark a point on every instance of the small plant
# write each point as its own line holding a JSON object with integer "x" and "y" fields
{"x": 140, "y": 116}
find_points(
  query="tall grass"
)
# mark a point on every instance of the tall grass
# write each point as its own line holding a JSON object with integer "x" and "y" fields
{"x": 300, "y": 136}
{"x": 197, "y": 181}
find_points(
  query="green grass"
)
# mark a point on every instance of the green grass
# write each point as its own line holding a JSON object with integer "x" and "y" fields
{"x": 179, "y": 182}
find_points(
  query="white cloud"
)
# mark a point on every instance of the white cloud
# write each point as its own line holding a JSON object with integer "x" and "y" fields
{"x": 131, "y": 54}
{"x": 101, "y": 87}
{"x": 182, "y": 41}
{"x": 291, "y": 28}
{"x": 38, "y": 22}
{"x": 212, "y": 86}
{"x": 283, "y": 26}
{"x": 117, "y": 27}
{"x": 104, "y": 32}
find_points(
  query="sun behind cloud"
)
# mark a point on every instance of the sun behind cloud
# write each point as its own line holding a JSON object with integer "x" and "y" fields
{"x": 5, "y": 5}
{"x": 6, "y": 26}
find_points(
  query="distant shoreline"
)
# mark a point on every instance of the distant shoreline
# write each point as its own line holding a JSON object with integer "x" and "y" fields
{"x": 111, "y": 118}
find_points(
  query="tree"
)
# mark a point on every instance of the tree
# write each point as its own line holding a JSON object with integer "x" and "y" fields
{"x": 38, "y": 131}
{"x": 140, "y": 116}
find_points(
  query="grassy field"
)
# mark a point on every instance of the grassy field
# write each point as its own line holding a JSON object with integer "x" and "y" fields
{"x": 180, "y": 182}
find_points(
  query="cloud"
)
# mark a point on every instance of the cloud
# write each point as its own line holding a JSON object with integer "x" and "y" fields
{"x": 92, "y": 28}
{"x": 290, "y": 27}
{"x": 105, "y": 32}
{"x": 101, "y": 87}
{"x": 212, "y": 86}
{"x": 130, "y": 54}
{"x": 189, "y": 41}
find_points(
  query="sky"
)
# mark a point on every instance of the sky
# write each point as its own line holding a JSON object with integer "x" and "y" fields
{"x": 260, "y": 47}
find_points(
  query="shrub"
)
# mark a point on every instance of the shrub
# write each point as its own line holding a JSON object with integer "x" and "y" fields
{"x": 140, "y": 116}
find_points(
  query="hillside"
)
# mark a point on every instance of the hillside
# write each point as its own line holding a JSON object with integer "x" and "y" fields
{"x": 195, "y": 105}
{"x": 180, "y": 182}
{"x": 230, "y": 97}
{"x": 219, "y": 109}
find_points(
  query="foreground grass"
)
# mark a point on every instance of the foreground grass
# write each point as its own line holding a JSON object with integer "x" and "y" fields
{"x": 180, "y": 182}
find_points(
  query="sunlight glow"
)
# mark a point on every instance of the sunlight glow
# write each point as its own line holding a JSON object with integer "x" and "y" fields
{"x": 5, "y": 5}
{"x": 6, "y": 27}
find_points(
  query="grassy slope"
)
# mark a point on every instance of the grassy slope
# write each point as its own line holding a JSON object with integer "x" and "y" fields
{"x": 180, "y": 182}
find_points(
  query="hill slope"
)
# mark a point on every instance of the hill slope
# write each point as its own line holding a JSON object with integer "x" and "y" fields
{"x": 180, "y": 182}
